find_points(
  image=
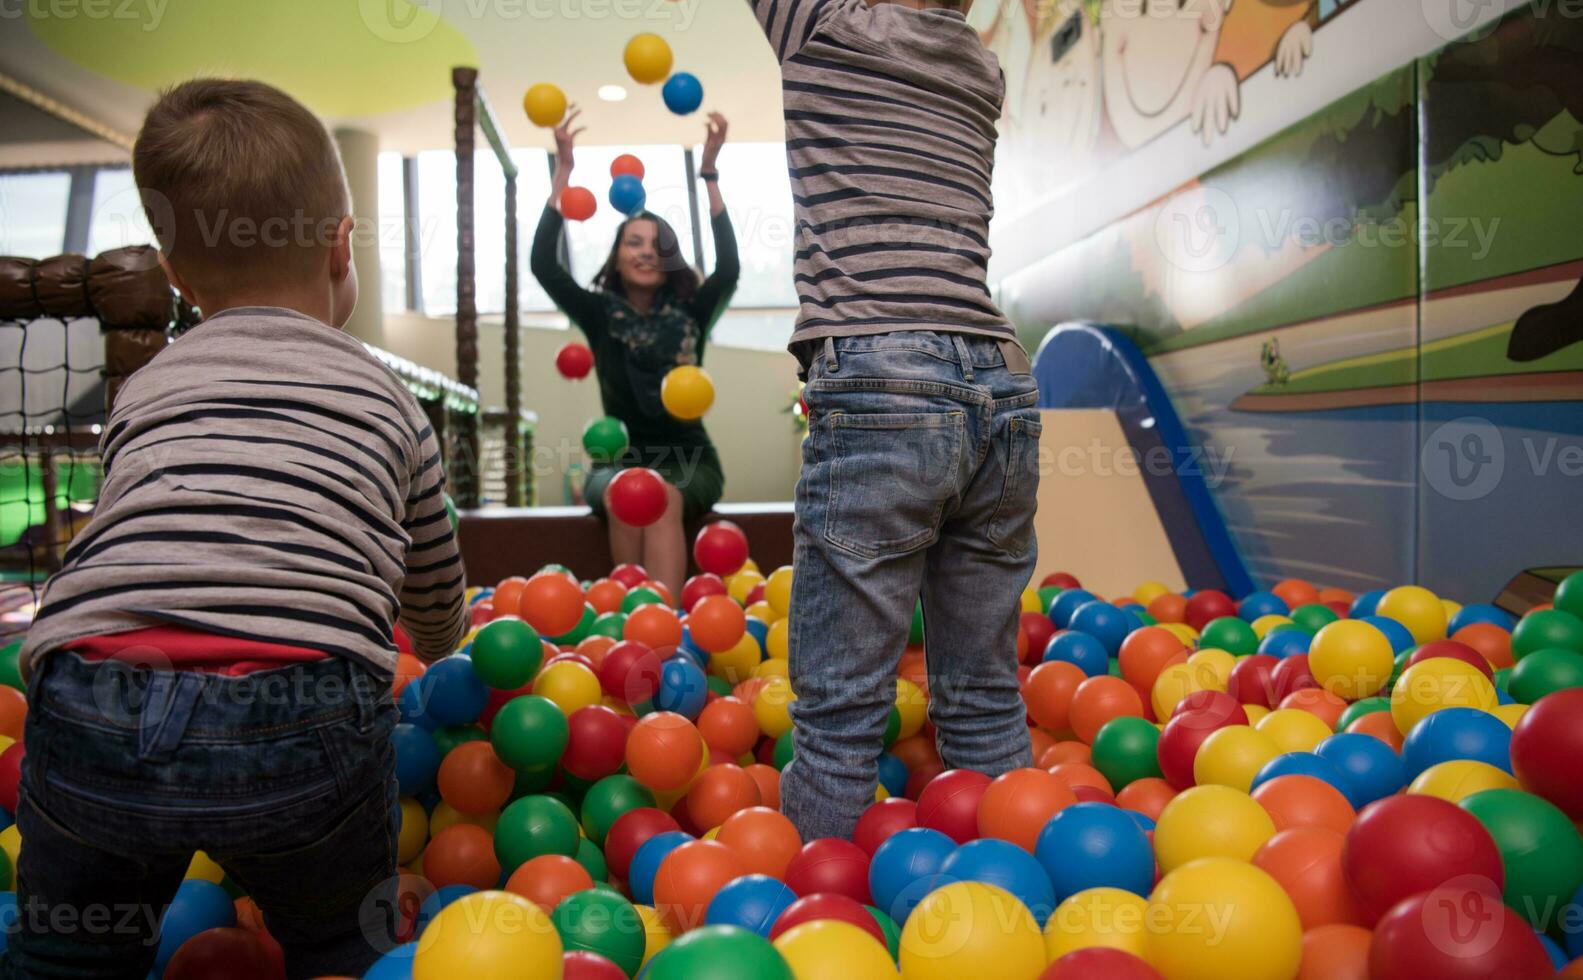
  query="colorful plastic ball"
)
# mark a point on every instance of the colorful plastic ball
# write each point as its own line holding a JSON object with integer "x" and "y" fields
{"x": 577, "y": 204}
{"x": 1007, "y": 866}
{"x": 474, "y": 780}
{"x": 1210, "y": 821}
{"x": 1455, "y": 931}
{"x": 648, "y": 59}
{"x": 605, "y": 439}
{"x": 197, "y": 906}
{"x": 1092, "y": 845}
{"x": 903, "y": 867}
{"x": 1358, "y": 709}
{"x": 490, "y": 935}
{"x": 1456, "y": 651}
{"x": 227, "y": 952}
{"x": 683, "y": 93}
{"x": 1540, "y": 850}
{"x": 1403, "y": 845}
{"x": 1432, "y": 685}
{"x": 1181, "y": 739}
{"x": 827, "y": 906}
{"x": 833, "y": 950}
{"x": 1146, "y": 652}
{"x": 1103, "y": 622}
{"x": 1294, "y": 730}
{"x": 1126, "y": 749}
{"x": 1230, "y": 633}
{"x": 1416, "y": 608}
{"x": 1257, "y": 604}
{"x": 687, "y": 392}
{"x": 1350, "y": 658}
{"x": 716, "y": 623}
{"x": 545, "y": 105}
{"x": 1545, "y": 748}
{"x": 1306, "y": 863}
{"x": 529, "y": 732}
{"x": 1457, "y": 733}
{"x": 968, "y": 927}
{"x": 887, "y": 818}
{"x": 752, "y": 902}
{"x": 720, "y": 548}
{"x": 1303, "y": 801}
{"x": 1301, "y": 764}
{"x": 1455, "y": 780}
{"x": 718, "y": 953}
{"x": 507, "y": 652}
{"x": 1259, "y": 938}
{"x": 607, "y": 800}
{"x": 719, "y": 792}
{"x": 530, "y": 827}
{"x": 830, "y": 865}
{"x": 462, "y": 854}
{"x": 1086, "y": 652}
{"x": 455, "y": 694}
{"x": 688, "y": 879}
{"x": 1207, "y": 605}
{"x": 683, "y": 688}
{"x": 1547, "y": 629}
{"x": 1178, "y": 681}
{"x": 636, "y": 496}
{"x": 664, "y": 751}
{"x": 571, "y": 685}
{"x": 631, "y": 831}
{"x": 645, "y": 863}
{"x": 595, "y": 743}
{"x": 1048, "y": 692}
{"x": 583, "y": 965}
{"x": 630, "y": 672}
{"x": 765, "y": 841}
{"x": 1097, "y": 701}
{"x": 599, "y": 920}
{"x": 1097, "y": 918}
{"x": 1145, "y": 797}
{"x": 1370, "y": 769}
{"x": 417, "y": 759}
{"x": 1543, "y": 672}
{"x": 1066, "y": 605}
{"x": 950, "y": 802}
{"x": 1019, "y": 803}
{"x": 1232, "y": 756}
{"x": 1099, "y": 961}
{"x": 548, "y": 878}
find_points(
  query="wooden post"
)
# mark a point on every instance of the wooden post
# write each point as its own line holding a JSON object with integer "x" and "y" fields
{"x": 516, "y": 465}
{"x": 465, "y": 471}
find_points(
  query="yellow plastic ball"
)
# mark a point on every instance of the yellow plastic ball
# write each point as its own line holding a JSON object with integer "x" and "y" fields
{"x": 1511, "y": 714}
{"x": 6, "y": 742}
{"x": 711, "y": 833}
{"x": 778, "y": 589}
{"x": 1264, "y": 624}
{"x": 913, "y": 707}
{"x": 1452, "y": 607}
{"x": 1177, "y": 682}
{"x": 1183, "y": 632}
{"x": 1217, "y": 662}
{"x": 1350, "y": 658}
{"x": 655, "y": 935}
{"x": 969, "y": 929}
{"x": 1439, "y": 682}
{"x": 772, "y": 668}
{"x": 1416, "y": 608}
{"x": 829, "y": 949}
{"x": 1255, "y": 933}
{"x": 569, "y": 684}
{"x": 1460, "y": 778}
{"x": 1256, "y": 713}
{"x": 203, "y": 868}
{"x": 446, "y": 816}
{"x": 881, "y": 794}
{"x": 11, "y": 843}
{"x": 763, "y": 612}
{"x": 1232, "y": 756}
{"x": 648, "y": 59}
{"x": 739, "y": 585}
{"x": 617, "y": 705}
{"x": 1031, "y": 602}
{"x": 1293, "y": 729}
{"x": 751, "y": 566}
{"x": 489, "y": 935}
{"x": 1149, "y": 591}
{"x": 1210, "y": 821}
{"x": 772, "y": 707}
{"x": 687, "y": 392}
{"x": 545, "y": 105}
{"x": 777, "y": 643}
{"x": 414, "y": 830}
{"x": 736, "y": 664}
{"x": 1109, "y": 917}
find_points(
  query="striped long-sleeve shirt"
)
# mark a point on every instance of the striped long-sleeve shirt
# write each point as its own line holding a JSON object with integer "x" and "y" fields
{"x": 265, "y": 478}
{"x": 890, "y": 140}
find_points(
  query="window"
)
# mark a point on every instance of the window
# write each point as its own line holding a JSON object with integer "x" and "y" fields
{"x": 33, "y": 214}
{"x": 757, "y": 192}
{"x": 665, "y": 181}
{"x": 118, "y": 217}
{"x": 392, "y": 232}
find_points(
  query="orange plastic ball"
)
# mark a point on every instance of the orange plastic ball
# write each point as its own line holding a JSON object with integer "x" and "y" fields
{"x": 1306, "y": 862}
{"x": 1333, "y": 594}
{"x": 1168, "y": 608}
{"x": 719, "y": 792}
{"x": 605, "y": 595}
{"x": 763, "y": 839}
{"x": 1338, "y": 951}
{"x": 1076, "y": 774}
{"x": 1304, "y": 801}
{"x": 728, "y": 725}
{"x": 914, "y": 666}
{"x": 473, "y": 780}
{"x": 688, "y": 879}
{"x": 1018, "y": 804}
{"x": 1147, "y": 796}
{"x": 661, "y": 589}
{"x": 916, "y": 752}
{"x": 462, "y": 854}
{"x": 1295, "y": 592}
{"x": 768, "y": 779}
{"x": 1039, "y": 741}
{"x": 1048, "y": 692}
{"x": 1490, "y": 640}
{"x": 1146, "y": 652}
{"x": 548, "y": 878}
{"x": 408, "y": 669}
{"x": 748, "y": 690}
{"x": 1317, "y": 701}
{"x": 656, "y": 627}
{"x": 716, "y": 623}
{"x": 551, "y": 602}
{"x": 664, "y": 751}
{"x": 594, "y": 648}
{"x": 1067, "y": 751}
{"x": 1381, "y": 725}
{"x": 1098, "y": 700}
{"x": 507, "y": 597}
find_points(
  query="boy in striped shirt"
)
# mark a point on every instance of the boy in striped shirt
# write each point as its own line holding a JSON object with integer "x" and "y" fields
{"x": 921, "y": 465}
{"x": 211, "y": 667}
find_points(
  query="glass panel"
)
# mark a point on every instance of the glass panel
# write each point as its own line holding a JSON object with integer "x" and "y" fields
{"x": 118, "y": 218}
{"x": 33, "y": 214}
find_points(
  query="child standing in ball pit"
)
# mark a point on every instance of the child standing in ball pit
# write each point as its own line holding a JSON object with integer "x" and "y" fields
{"x": 920, "y": 467}
{"x": 211, "y": 668}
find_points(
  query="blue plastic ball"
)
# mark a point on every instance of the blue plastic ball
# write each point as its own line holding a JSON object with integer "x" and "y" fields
{"x": 905, "y": 868}
{"x": 1079, "y": 648}
{"x": 1572, "y": 924}
{"x": 1365, "y": 604}
{"x": 683, "y": 93}
{"x": 8, "y": 917}
{"x": 438, "y": 900}
{"x": 1141, "y": 819}
{"x": 627, "y": 195}
{"x": 198, "y": 905}
{"x": 1004, "y": 864}
{"x": 394, "y": 965}
{"x": 1103, "y": 622}
{"x": 455, "y": 694}
{"x": 417, "y": 759}
{"x": 893, "y": 774}
{"x": 683, "y": 688}
{"x": 1067, "y": 603}
{"x": 413, "y": 705}
{"x": 1481, "y": 612}
{"x": 751, "y": 902}
{"x": 1558, "y": 958}
{"x": 1090, "y": 845}
{"x": 1370, "y": 769}
{"x": 1457, "y": 733}
{"x": 1283, "y": 643}
{"x": 646, "y": 863}
{"x": 1401, "y": 639}
{"x": 1301, "y": 764}
{"x": 1256, "y": 604}
{"x": 760, "y": 631}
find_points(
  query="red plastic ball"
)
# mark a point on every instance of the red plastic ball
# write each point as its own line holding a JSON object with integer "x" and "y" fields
{"x": 578, "y": 204}
{"x": 1099, "y": 961}
{"x": 825, "y": 905}
{"x": 1457, "y": 931}
{"x": 1453, "y": 650}
{"x": 583, "y": 965}
{"x": 629, "y": 575}
{"x": 1093, "y": 794}
{"x": 1180, "y": 739}
{"x": 11, "y": 775}
{"x": 596, "y": 743}
{"x": 700, "y": 587}
{"x": 224, "y": 953}
{"x": 830, "y": 865}
{"x": 721, "y": 548}
{"x": 1253, "y": 680}
{"x": 949, "y": 803}
{"x": 1546, "y": 747}
{"x": 1218, "y": 703}
{"x": 636, "y": 496}
{"x": 1210, "y": 604}
{"x": 1065, "y": 580}
{"x": 630, "y": 831}
{"x": 626, "y": 165}
{"x": 630, "y": 672}
{"x": 919, "y": 778}
{"x": 1039, "y": 630}
{"x": 1403, "y": 845}
{"x": 574, "y": 361}
{"x": 462, "y": 854}
{"x": 1292, "y": 675}
{"x": 882, "y": 821}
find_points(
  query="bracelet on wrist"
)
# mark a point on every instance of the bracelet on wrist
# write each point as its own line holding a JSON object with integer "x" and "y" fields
{"x": 708, "y": 175}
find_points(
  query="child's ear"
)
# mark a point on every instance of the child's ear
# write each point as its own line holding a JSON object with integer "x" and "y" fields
{"x": 341, "y": 249}
{"x": 175, "y": 280}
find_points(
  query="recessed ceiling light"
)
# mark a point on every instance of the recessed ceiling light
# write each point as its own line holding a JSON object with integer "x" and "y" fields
{"x": 612, "y": 93}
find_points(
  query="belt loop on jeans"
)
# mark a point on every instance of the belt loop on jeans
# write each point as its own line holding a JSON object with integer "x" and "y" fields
{"x": 167, "y": 709}
{"x": 964, "y": 355}
{"x": 831, "y": 362}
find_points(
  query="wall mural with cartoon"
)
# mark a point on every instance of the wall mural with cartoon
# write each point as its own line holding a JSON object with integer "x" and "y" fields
{"x": 1377, "y": 312}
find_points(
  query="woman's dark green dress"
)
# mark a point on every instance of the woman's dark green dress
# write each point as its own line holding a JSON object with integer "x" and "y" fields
{"x": 632, "y": 354}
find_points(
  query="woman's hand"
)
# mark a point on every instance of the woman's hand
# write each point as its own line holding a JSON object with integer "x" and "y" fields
{"x": 714, "y": 139}
{"x": 566, "y": 140}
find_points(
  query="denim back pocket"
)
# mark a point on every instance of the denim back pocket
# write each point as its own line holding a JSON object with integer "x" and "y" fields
{"x": 891, "y": 476}
{"x": 1011, "y": 526}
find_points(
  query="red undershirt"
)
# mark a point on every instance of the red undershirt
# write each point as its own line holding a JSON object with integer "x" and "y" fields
{"x": 190, "y": 649}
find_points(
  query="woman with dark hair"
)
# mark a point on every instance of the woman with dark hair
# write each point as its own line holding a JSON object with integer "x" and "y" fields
{"x": 646, "y": 313}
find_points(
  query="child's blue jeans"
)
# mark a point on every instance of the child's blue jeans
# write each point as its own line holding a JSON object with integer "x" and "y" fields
{"x": 919, "y": 478}
{"x": 284, "y": 777}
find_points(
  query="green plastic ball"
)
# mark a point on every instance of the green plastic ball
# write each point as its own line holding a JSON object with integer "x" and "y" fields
{"x": 450, "y": 512}
{"x": 1399, "y": 665}
{"x": 1545, "y": 672}
{"x": 532, "y": 827}
{"x": 892, "y": 726}
{"x": 915, "y": 632}
{"x": 599, "y": 920}
{"x": 1230, "y": 634}
{"x": 593, "y": 860}
{"x": 608, "y": 799}
{"x": 1125, "y": 750}
{"x": 611, "y": 624}
{"x": 1503, "y": 679}
{"x": 1358, "y": 709}
{"x": 10, "y": 674}
{"x": 507, "y": 653}
{"x": 451, "y": 736}
{"x": 1540, "y": 850}
{"x": 1047, "y": 597}
{"x": 718, "y": 953}
{"x": 605, "y": 439}
{"x": 1569, "y": 595}
{"x": 785, "y": 750}
{"x": 1113, "y": 668}
{"x": 640, "y": 596}
{"x": 578, "y": 633}
{"x": 529, "y": 732}
{"x": 1547, "y": 629}
{"x": 888, "y": 926}
{"x": 1314, "y": 617}
{"x": 1145, "y": 618}
{"x": 718, "y": 685}
{"x": 532, "y": 781}
{"x": 6, "y": 877}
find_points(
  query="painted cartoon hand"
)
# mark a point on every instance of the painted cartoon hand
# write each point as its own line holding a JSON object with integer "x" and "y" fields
{"x": 1210, "y": 14}
{"x": 1216, "y": 103}
{"x": 1295, "y": 47}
